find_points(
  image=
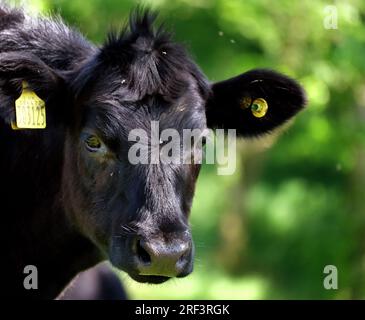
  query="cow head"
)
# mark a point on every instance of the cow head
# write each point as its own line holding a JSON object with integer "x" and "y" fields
{"x": 137, "y": 214}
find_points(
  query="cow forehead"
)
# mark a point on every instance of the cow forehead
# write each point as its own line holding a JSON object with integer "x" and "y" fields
{"x": 114, "y": 116}
{"x": 140, "y": 64}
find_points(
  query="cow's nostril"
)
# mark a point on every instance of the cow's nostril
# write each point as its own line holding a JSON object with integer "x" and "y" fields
{"x": 184, "y": 256}
{"x": 142, "y": 254}
{"x": 158, "y": 257}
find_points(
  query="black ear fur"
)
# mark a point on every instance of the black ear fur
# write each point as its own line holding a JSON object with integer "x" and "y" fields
{"x": 284, "y": 96}
{"x": 16, "y": 67}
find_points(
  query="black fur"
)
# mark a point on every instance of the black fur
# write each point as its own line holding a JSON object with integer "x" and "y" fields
{"x": 283, "y": 95}
{"x": 63, "y": 209}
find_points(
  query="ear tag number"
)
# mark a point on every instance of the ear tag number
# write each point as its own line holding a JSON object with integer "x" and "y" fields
{"x": 30, "y": 110}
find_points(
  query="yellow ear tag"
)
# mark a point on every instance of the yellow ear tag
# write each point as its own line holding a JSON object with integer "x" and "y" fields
{"x": 30, "y": 110}
{"x": 259, "y": 107}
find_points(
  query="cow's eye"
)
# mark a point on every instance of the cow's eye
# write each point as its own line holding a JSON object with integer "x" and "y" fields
{"x": 93, "y": 143}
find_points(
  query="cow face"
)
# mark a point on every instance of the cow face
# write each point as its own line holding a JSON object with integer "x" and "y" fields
{"x": 137, "y": 213}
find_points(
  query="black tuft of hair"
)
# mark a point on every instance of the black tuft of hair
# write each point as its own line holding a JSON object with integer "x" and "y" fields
{"x": 139, "y": 34}
{"x": 146, "y": 58}
{"x": 141, "y": 21}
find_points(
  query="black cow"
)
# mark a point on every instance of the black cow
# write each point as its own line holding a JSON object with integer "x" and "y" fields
{"x": 69, "y": 196}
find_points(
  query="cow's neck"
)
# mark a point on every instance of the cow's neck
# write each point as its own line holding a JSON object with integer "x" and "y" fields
{"x": 35, "y": 229}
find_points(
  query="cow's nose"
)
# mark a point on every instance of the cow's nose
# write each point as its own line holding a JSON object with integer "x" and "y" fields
{"x": 156, "y": 257}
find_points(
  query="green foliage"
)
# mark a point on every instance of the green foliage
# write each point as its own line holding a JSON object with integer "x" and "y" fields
{"x": 269, "y": 231}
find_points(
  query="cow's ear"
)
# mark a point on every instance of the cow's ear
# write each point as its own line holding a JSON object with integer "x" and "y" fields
{"x": 254, "y": 102}
{"x": 17, "y": 68}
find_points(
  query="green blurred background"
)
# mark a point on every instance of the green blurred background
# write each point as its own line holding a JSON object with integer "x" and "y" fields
{"x": 296, "y": 204}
